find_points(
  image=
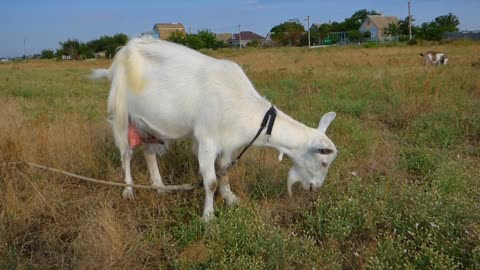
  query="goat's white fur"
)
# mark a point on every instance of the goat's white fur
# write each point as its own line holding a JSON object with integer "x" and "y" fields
{"x": 171, "y": 92}
{"x": 98, "y": 74}
{"x": 434, "y": 58}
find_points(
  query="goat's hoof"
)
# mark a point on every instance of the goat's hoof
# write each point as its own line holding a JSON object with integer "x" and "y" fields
{"x": 208, "y": 216}
{"x": 160, "y": 191}
{"x": 232, "y": 200}
{"x": 128, "y": 193}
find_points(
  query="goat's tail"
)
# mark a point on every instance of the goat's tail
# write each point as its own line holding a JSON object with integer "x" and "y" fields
{"x": 101, "y": 73}
{"x": 118, "y": 109}
{"x": 421, "y": 54}
{"x": 127, "y": 76}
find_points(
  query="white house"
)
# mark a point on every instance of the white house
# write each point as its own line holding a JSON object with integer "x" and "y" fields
{"x": 377, "y": 25}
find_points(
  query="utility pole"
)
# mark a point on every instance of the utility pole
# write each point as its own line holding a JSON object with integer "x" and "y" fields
{"x": 239, "y": 37}
{"x": 410, "y": 20}
{"x": 308, "y": 26}
{"x": 24, "y": 48}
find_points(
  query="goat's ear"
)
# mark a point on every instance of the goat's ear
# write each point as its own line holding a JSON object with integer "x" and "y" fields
{"x": 325, "y": 121}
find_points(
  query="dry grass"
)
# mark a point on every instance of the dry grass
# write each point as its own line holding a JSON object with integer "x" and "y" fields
{"x": 53, "y": 116}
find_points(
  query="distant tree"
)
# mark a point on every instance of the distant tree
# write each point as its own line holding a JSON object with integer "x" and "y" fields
{"x": 178, "y": 37}
{"x": 350, "y": 25}
{"x": 109, "y": 44}
{"x": 203, "y": 39}
{"x": 434, "y": 30}
{"x": 81, "y": 50}
{"x": 354, "y": 35}
{"x": 253, "y": 43}
{"x": 194, "y": 42}
{"x": 115, "y": 42}
{"x": 304, "y": 40}
{"x": 323, "y": 30}
{"x": 70, "y": 47}
{"x": 47, "y": 54}
{"x": 430, "y": 31}
{"x": 288, "y": 33}
{"x": 448, "y": 23}
{"x": 403, "y": 27}
{"x": 208, "y": 38}
{"x": 314, "y": 34}
{"x": 356, "y": 20}
{"x": 392, "y": 29}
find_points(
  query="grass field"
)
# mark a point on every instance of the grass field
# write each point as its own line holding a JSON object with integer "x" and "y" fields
{"x": 404, "y": 192}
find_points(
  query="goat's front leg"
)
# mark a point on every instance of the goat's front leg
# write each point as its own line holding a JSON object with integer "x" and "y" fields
{"x": 207, "y": 153}
{"x": 227, "y": 194}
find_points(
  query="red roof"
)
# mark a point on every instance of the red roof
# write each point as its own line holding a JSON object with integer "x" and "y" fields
{"x": 246, "y": 35}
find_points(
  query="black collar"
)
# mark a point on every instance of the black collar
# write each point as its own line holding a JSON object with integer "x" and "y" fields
{"x": 271, "y": 114}
{"x": 269, "y": 119}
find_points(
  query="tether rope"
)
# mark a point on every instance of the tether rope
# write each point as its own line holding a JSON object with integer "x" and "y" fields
{"x": 103, "y": 182}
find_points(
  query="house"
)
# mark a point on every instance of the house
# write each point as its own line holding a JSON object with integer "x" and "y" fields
{"x": 377, "y": 25}
{"x": 244, "y": 38}
{"x": 100, "y": 55}
{"x": 164, "y": 30}
{"x": 268, "y": 41}
{"x": 223, "y": 37}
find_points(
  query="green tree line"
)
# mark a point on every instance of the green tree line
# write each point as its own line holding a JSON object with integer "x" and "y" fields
{"x": 83, "y": 50}
{"x": 109, "y": 44}
{"x": 289, "y": 33}
{"x": 204, "y": 39}
{"x": 293, "y": 33}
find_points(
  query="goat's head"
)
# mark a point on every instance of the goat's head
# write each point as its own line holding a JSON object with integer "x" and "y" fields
{"x": 443, "y": 59}
{"x": 312, "y": 161}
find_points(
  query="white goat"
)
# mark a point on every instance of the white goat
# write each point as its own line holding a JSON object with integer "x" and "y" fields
{"x": 168, "y": 91}
{"x": 434, "y": 58}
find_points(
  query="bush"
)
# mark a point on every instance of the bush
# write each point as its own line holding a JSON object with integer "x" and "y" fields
{"x": 370, "y": 45}
{"x": 412, "y": 42}
{"x": 419, "y": 161}
{"x": 438, "y": 130}
{"x": 238, "y": 239}
{"x": 47, "y": 54}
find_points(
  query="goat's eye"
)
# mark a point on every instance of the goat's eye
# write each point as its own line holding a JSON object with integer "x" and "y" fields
{"x": 325, "y": 151}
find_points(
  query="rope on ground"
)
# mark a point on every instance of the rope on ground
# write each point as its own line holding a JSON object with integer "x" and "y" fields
{"x": 103, "y": 182}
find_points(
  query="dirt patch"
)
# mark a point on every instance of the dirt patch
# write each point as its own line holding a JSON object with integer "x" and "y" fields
{"x": 195, "y": 253}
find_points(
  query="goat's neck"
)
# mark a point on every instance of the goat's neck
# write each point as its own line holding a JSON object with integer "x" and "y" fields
{"x": 288, "y": 135}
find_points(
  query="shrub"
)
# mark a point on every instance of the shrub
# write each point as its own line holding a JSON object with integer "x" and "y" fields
{"x": 439, "y": 130}
{"x": 419, "y": 161}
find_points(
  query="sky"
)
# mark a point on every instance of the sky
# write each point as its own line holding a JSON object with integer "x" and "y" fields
{"x": 33, "y": 25}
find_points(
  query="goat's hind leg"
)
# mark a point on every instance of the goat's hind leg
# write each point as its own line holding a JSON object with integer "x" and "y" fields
{"x": 126, "y": 154}
{"x": 149, "y": 152}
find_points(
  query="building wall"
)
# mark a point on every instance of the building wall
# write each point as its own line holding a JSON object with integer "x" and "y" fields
{"x": 378, "y": 34}
{"x": 372, "y": 29}
{"x": 164, "y": 33}
{"x": 235, "y": 43}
